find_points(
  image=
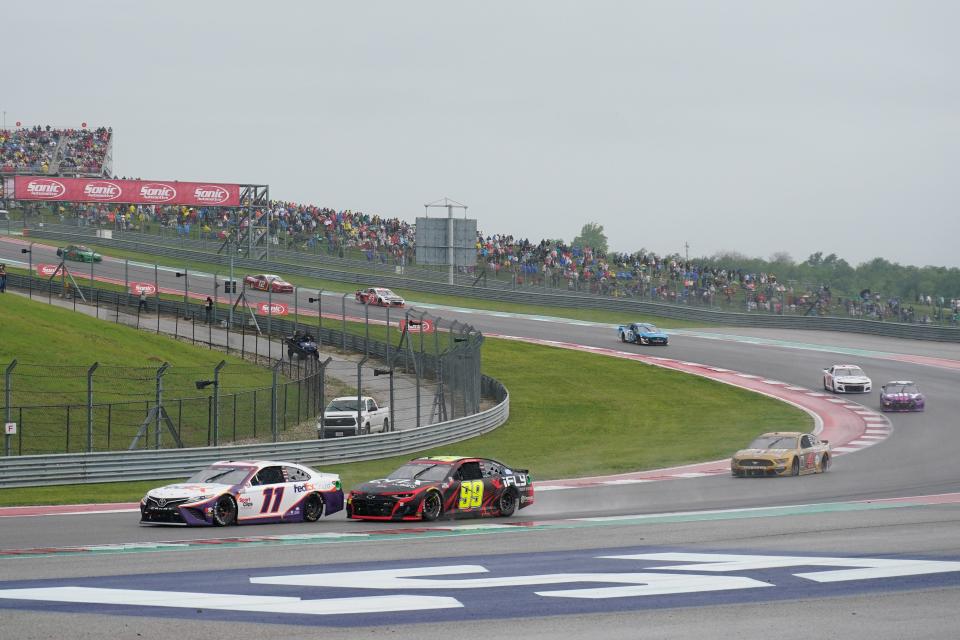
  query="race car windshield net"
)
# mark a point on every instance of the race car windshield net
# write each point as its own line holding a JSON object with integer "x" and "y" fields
{"x": 774, "y": 442}
{"x": 430, "y": 473}
{"x": 219, "y": 475}
{"x": 853, "y": 371}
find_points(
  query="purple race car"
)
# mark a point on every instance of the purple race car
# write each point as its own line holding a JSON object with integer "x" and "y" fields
{"x": 901, "y": 395}
{"x": 238, "y": 492}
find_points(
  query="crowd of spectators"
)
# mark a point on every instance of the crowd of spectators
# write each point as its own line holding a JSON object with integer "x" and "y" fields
{"x": 46, "y": 150}
{"x": 547, "y": 263}
{"x": 28, "y": 150}
{"x": 84, "y": 150}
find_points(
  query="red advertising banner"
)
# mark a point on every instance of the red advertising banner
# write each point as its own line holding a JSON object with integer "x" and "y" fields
{"x": 46, "y": 269}
{"x": 193, "y": 194}
{"x": 147, "y": 287}
{"x": 279, "y": 309}
{"x": 423, "y": 327}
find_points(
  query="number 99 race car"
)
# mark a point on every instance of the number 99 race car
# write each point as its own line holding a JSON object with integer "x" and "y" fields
{"x": 233, "y": 492}
{"x": 449, "y": 486}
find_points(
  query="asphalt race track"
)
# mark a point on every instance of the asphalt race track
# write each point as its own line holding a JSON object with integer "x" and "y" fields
{"x": 869, "y": 550}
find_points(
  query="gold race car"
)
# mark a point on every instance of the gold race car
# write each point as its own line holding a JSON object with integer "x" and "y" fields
{"x": 782, "y": 453}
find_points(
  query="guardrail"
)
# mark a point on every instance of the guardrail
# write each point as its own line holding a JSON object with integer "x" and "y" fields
{"x": 532, "y": 296}
{"x": 28, "y": 471}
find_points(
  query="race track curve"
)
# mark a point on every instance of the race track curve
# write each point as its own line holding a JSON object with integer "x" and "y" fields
{"x": 755, "y": 549}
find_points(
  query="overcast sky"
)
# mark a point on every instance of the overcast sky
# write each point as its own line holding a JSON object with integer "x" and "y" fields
{"x": 747, "y": 126}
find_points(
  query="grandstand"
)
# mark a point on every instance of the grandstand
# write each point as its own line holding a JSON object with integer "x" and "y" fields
{"x": 57, "y": 152}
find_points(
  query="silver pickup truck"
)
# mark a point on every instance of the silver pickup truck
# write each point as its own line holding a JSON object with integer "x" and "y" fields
{"x": 342, "y": 417}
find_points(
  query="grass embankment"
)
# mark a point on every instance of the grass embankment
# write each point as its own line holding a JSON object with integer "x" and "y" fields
{"x": 54, "y": 349}
{"x": 571, "y": 414}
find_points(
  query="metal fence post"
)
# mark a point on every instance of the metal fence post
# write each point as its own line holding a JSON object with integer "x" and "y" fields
{"x": 7, "y": 400}
{"x": 159, "y": 406}
{"x": 323, "y": 394}
{"x": 360, "y": 393}
{"x": 216, "y": 402}
{"x": 343, "y": 316}
{"x": 90, "y": 406}
{"x": 273, "y": 400}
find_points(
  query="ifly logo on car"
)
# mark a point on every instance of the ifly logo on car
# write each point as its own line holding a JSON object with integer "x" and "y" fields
{"x": 157, "y": 192}
{"x": 211, "y": 194}
{"x": 47, "y": 189}
{"x": 276, "y": 309}
{"x": 102, "y": 190}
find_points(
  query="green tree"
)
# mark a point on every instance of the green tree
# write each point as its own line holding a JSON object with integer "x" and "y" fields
{"x": 592, "y": 235}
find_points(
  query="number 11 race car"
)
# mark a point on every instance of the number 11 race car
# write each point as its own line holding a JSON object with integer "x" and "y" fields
{"x": 240, "y": 492}
{"x": 450, "y": 486}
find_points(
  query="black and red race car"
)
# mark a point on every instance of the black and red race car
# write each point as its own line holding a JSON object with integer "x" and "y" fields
{"x": 443, "y": 486}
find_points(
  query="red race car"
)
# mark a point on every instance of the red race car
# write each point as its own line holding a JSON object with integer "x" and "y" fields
{"x": 268, "y": 282}
{"x": 379, "y": 296}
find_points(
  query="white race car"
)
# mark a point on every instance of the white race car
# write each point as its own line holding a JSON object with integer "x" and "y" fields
{"x": 846, "y": 378}
{"x": 238, "y": 492}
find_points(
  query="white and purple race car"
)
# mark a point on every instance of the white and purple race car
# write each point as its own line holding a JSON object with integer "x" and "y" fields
{"x": 901, "y": 395}
{"x": 240, "y": 492}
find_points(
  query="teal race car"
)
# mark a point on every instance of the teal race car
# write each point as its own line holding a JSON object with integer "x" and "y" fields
{"x": 79, "y": 253}
{"x": 642, "y": 333}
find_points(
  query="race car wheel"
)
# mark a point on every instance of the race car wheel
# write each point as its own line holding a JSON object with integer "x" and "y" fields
{"x": 312, "y": 508}
{"x": 225, "y": 511}
{"x": 824, "y": 463}
{"x": 432, "y": 505}
{"x": 795, "y": 467}
{"x": 507, "y": 503}
{"x": 623, "y": 337}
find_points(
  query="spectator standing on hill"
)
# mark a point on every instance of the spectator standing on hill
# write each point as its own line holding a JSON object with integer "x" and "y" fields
{"x": 3, "y": 278}
{"x": 208, "y": 307}
{"x": 143, "y": 301}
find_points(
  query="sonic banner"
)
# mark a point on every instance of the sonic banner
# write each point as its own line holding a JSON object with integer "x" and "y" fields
{"x": 193, "y": 194}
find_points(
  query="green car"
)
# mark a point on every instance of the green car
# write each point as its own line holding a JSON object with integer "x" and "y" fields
{"x": 79, "y": 253}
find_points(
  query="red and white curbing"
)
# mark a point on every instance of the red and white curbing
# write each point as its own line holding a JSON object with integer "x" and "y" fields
{"x": 849, "y": 426}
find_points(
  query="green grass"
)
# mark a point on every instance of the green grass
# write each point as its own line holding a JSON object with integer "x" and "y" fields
{"x": 571, "y": 414}
{"x": 54, "y": 349}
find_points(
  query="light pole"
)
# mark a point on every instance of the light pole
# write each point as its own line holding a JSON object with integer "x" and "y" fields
{"x": 380, "y": 372}
{"x": 202, "y": 384}
{"x": 30, "y": 268}
{"x": 319, "y": 301}
{"x": 185, "y": 274}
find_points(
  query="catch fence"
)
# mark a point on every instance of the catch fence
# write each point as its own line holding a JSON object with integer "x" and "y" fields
{"x": 425, "y": 377}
